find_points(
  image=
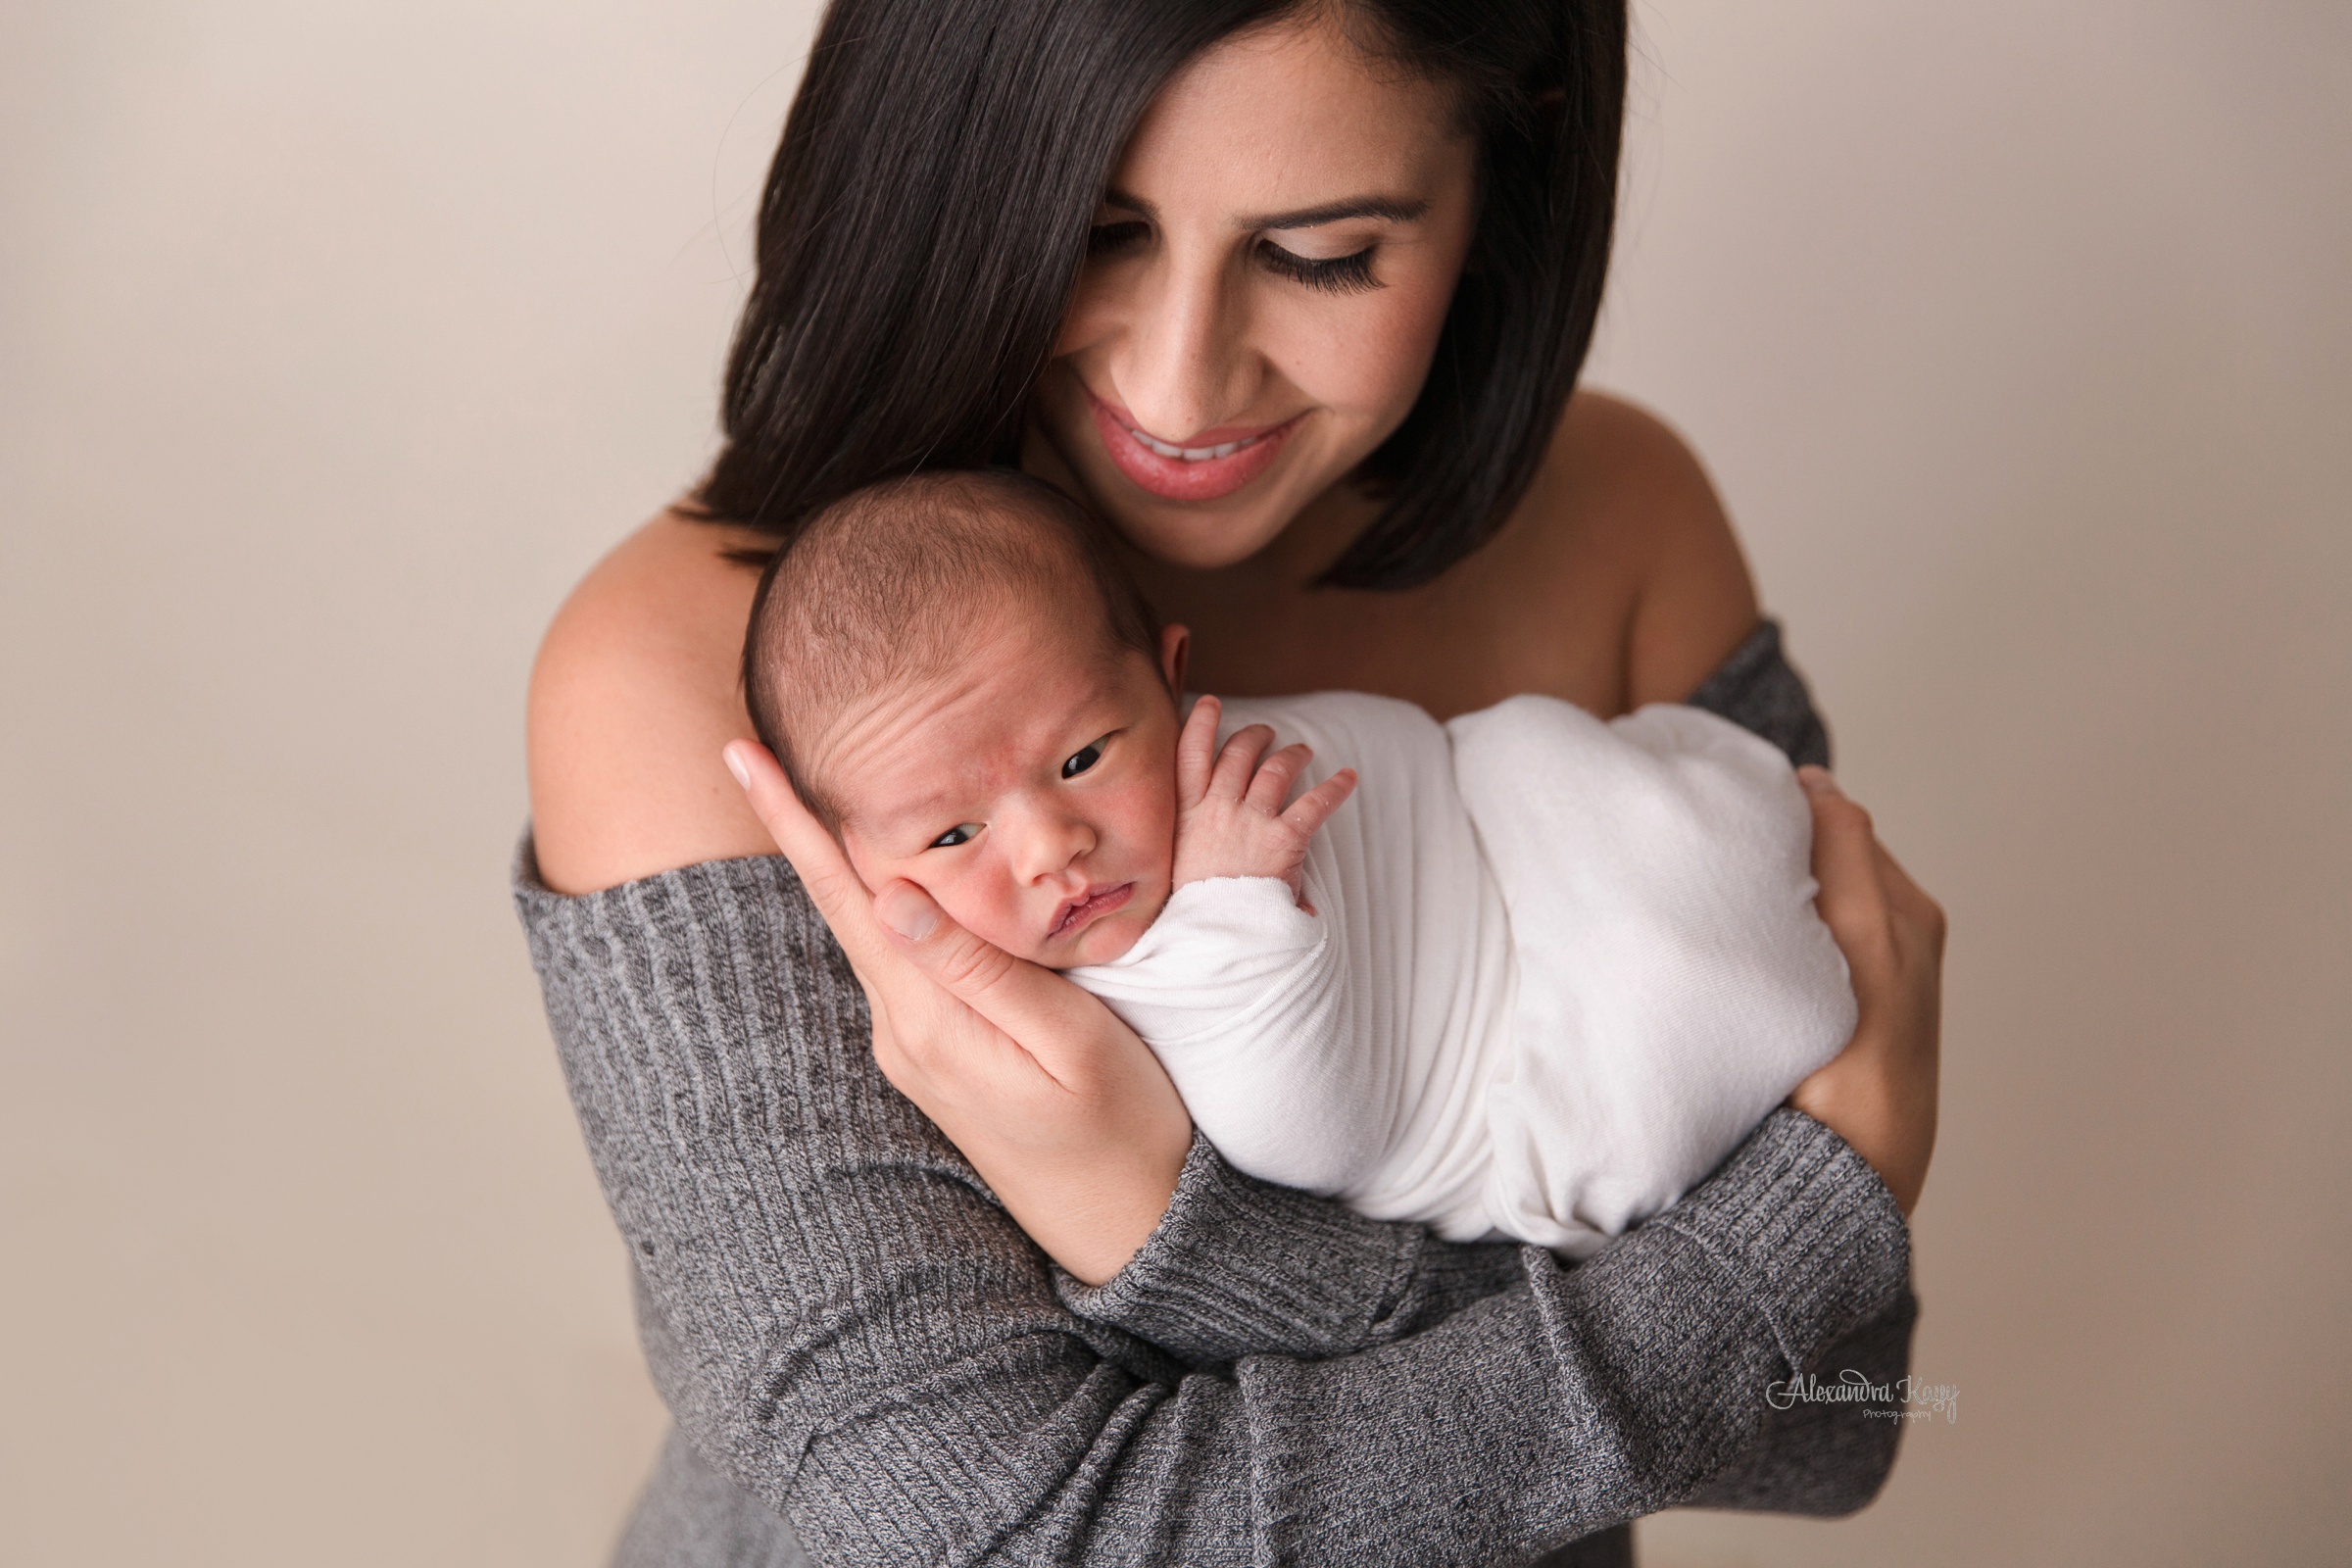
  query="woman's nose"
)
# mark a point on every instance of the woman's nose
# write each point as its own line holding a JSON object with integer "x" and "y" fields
{"x": 1186, "y": 354}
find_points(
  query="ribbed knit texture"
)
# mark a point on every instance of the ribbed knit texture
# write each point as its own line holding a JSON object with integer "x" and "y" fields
{"x": 854, "y": 1335}
{"x": 1757, "y": 688}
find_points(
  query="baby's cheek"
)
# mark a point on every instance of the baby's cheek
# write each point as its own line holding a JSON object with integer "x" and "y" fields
{"x": 1154, "y": 827}
{"x": 985, "y": 902}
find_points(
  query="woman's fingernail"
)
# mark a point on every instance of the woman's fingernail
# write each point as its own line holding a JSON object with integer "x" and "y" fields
{"x": 1817, "y": 780}
{"x": 905, "y": 912}
{"x": 734, "y": 759}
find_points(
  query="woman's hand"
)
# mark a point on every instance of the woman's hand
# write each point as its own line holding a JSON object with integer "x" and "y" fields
{"x": 1064, "y": 1113}
{"x": 1880, "y": 1093}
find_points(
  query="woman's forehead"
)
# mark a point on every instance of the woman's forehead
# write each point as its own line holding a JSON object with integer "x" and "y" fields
{"x": 1292, "y": 117}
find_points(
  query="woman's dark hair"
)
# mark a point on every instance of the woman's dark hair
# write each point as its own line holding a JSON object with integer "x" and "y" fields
{"x": 928, "y": 211}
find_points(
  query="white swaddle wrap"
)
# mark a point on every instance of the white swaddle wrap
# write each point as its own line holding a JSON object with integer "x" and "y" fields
{"x": 1559, "y": 968}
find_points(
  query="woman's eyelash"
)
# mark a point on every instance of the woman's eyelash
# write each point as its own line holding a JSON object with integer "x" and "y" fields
{"x": 1104, "y": 238}
{"x": 1339, "y": 275}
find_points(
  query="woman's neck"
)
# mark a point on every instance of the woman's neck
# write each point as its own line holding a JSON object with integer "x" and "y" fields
{"x": 1505, "y": 620}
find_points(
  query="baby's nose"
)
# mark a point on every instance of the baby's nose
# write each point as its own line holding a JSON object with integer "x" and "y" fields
{"x": 1050, "y": 845}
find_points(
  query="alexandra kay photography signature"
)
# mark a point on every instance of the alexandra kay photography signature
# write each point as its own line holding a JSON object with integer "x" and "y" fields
{"x": 1906, "y": 1399}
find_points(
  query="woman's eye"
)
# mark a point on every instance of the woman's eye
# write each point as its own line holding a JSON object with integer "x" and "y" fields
{"x": 1108, "y": 240}
{"x": 1080, "y": 761}
{"x": 1338, "y": 274}
{"x": 960, "y": 833}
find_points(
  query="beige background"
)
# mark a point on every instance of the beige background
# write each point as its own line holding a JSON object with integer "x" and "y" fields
{"x": 336, "y": 339}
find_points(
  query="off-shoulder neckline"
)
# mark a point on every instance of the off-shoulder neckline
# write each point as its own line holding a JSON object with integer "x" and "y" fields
{"x": 529, "y": 885}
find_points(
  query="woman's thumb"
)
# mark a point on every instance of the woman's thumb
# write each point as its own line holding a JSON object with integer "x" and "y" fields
{"x": 906, "y": 909}
{"x": 1026, "y": 1001}
{"x": 950, "y": 955}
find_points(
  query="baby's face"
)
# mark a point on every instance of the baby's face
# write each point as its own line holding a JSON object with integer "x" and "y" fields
{"x": 1033, "y": 794}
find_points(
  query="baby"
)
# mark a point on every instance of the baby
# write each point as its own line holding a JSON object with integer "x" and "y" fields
{"x": 1533, "y": 978}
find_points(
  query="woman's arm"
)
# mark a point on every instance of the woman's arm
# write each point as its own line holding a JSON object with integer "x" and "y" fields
{"x": 702, "y": 1214}
{"x": 848, "y": 1325}
{"x": 635, "y": 690}
{"x": 1216, "y": 1281}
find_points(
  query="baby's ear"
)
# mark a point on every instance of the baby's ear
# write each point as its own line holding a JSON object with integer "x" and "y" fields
{"x": 1175, "y": 646}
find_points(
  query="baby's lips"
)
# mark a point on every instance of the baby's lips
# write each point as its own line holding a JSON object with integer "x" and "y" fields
{"x": 1118, "y": 896}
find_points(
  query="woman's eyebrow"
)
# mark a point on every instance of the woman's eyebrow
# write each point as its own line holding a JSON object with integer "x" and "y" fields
{"x": 1115, "y": 197}
{"x": 1388, "y": 208}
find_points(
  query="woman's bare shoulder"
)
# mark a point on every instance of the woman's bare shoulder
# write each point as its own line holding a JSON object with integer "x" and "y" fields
{"x": 1623, "y": 510}
{"x": 635, "y": 690}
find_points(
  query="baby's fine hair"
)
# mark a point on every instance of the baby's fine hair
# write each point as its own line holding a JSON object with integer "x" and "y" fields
{"x": 889, "y": 587}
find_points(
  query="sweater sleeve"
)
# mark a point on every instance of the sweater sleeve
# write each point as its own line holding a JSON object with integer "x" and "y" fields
{"x": 849, "y": 1328}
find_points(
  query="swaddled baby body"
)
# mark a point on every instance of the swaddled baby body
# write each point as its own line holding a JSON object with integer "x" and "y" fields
{"x": 1534, "y": 977}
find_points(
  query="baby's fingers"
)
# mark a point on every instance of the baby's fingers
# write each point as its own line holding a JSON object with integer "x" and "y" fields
{"x": 1312, "y": 809}
{"x": 1237, "y": 764}
{"x": 1197, "y": 751}
{"x": 1275, "y": 775}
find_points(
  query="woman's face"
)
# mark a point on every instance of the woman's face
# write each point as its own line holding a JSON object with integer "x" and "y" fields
{"x": 1263, "y": 292}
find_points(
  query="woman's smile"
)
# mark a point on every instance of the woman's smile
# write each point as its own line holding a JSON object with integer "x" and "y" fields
{"x": 1203, "y": 466}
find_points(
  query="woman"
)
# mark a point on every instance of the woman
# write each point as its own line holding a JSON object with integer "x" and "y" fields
{"x": 1294, "y": 296}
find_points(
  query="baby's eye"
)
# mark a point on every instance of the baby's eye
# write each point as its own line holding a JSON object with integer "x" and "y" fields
{"x": 1080, "y": 761}
{"x": 960, "y": 833}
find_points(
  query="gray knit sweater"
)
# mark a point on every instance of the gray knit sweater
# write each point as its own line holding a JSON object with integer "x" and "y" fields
{"x": 855, "y": 1338}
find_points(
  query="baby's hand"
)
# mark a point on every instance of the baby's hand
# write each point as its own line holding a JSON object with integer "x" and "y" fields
{"x": 1230, "y": 819}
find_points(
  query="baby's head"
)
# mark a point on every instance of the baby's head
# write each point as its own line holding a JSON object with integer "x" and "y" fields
{"x": 964, "y": 686}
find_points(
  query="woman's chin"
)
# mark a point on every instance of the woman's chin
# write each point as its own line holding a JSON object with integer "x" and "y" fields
{"x": 1208, "y": 536}
{"x": 1191, "y": 542}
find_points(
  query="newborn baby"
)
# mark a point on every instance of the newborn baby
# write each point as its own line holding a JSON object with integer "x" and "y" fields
{"x": 1533, "y": 978}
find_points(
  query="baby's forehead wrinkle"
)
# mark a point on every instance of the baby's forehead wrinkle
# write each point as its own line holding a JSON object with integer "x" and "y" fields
{"x": 960, "y": 738}
{"x": 915, "y": 749}
{"x": 866, "y": 749}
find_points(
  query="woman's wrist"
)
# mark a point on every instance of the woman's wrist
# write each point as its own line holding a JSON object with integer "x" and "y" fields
{"x": 1092, "y": 1223}
{"x": 1879, "y": 1114}
{"x": 1238, "y": 1266}
{"x": 1806, "y": 1226}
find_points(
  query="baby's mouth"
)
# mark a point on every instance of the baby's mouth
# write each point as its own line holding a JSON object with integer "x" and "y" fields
{"x": 1075, "y": 912}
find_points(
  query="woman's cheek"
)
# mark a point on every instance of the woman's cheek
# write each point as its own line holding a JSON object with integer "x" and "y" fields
{"x": 1405, "y": 338}
{"x": 1101, "y": 299}
{"x": 1367, "y": 362}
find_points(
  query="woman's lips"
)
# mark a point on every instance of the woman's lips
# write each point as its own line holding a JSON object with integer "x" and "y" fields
{"x": 1215, "y": 462}
{"x": 1097, "y": 902}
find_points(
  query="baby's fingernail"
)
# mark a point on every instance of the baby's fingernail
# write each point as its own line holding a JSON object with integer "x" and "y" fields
{"x": 905, "y": 912}
{"x": 1817, "y": 780}
{"x": 735, "y": 765}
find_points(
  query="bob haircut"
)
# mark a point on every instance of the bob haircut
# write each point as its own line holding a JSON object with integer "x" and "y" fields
{"x": 928, "y": 211}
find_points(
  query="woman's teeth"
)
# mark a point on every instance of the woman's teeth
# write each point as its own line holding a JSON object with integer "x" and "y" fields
{"x": 1223, "y": 449}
